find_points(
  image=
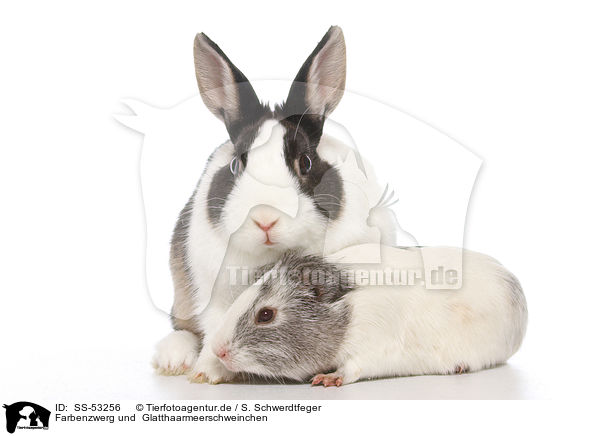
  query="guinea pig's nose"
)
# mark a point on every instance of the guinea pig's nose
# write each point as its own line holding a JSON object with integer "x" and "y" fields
{"x": 223, "y": 352}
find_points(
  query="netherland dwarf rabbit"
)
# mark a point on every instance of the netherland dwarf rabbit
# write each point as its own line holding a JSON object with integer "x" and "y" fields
{"x": 279, "y": 183}
{"x": 310, "y": 318}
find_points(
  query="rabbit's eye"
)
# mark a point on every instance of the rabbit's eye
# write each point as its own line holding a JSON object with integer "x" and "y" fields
{"x": 265, "y": 315}
{"x": 234, "y": 166}
{"x": 238, "y": 163}
{"x": 305, "y": 164}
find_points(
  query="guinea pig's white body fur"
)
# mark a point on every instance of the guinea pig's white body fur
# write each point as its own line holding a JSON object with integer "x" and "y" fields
{"x": 410, "y": 330}
{"x": 393, "y": 330}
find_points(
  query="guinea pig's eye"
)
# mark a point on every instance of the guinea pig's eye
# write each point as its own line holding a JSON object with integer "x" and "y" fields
{"x": 235, "y": 165}
{"x": 305, "y": 164}
{"x": 265, "y": 315}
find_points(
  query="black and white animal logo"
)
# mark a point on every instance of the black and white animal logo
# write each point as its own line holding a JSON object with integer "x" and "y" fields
{"x": 26, "y": 415}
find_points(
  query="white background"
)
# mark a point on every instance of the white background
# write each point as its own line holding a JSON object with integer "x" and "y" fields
{"x": 515, "y": 82}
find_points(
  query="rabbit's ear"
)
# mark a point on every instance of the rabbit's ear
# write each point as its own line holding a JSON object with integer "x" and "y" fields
{"x": 319, "y": 85}
{"x": 225, "y": 90}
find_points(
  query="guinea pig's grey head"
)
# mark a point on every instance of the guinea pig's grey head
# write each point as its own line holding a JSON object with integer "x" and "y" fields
{"x": 290, "y": 324}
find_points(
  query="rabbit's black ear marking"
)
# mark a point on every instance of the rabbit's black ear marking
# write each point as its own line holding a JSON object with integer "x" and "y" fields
{"x": 225, "y": 90}
{"x": 319, "y": 85}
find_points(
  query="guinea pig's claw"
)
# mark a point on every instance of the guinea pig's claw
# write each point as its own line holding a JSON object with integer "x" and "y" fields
{"x": 317, "y": 379}
{"x": 327, "y": 380}
{"x": 461, "y": 369}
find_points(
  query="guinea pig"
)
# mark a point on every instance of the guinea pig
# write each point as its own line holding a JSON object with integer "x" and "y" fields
{"x": 310, "y": 318}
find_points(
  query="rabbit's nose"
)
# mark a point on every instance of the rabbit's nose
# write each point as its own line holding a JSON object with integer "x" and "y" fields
{"x": 265, "y": 227}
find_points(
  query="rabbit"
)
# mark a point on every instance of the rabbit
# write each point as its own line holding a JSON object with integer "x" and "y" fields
{"x": 278, "y": 183}
{"x": 333, "y": 329}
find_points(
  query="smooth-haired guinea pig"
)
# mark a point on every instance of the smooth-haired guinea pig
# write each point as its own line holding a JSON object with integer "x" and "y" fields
{"x": 327, "y": 327}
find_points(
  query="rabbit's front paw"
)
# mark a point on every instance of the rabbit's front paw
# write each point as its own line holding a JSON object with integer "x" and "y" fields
{"x": 175, "y": 353}
{"x": 208, "y": 369}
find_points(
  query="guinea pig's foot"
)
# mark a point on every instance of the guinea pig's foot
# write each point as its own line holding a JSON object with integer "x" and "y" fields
{"x": 461, "y": 369}
{"x": 331, "y": 379}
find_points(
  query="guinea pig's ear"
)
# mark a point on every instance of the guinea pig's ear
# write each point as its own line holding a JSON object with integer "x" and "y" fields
{"x": 319, "y": 85}
{"x": 334, "y": 287}
{"x": 225, "y": 90}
